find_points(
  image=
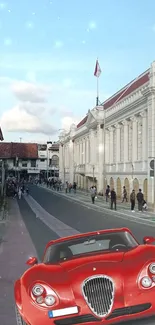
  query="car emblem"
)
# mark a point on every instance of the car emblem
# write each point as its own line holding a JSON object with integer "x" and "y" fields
{"x": 94, "y": 268}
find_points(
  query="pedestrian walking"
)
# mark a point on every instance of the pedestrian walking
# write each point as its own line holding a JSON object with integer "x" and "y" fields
{"x": 132, "y": 200}
{"x": 124, "y": 195}
{"x": 113, "y": 199}
{"x": 140, "y": 199}
{"x": 66, "y": 187}
{"x": 19, "y": 193}
{"x": 93, "y": 194}
{"x": 74, "y": 187}
{"x": 107, "y": 193}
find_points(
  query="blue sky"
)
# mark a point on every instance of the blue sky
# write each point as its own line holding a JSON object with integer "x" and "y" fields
{"x": 48, "y": 51}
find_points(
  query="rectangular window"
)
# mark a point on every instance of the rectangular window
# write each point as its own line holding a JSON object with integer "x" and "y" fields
{"x": 33, "y": 163}
{"x": 24, "y": 163}
{"x": 42, "y": 160}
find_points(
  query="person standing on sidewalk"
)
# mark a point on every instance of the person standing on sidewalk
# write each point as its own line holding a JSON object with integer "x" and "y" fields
{"x": 113, "y": 199}
{"x": 140, "y": 199}
{"x": 132, "y": 200}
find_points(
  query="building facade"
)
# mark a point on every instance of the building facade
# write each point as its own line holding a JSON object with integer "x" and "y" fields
{"x": 126, "y": 127}
{"x": 25, "y": 160}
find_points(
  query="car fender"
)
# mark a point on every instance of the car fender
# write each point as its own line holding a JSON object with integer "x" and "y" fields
{"x": 17, "y": 294}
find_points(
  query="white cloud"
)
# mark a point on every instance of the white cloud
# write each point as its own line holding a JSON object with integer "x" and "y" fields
{"x": 67, "y": 121}
{"x": 58, "y": 44}
{"x": 28, "y": 92}
{"x": 18, "y": 119}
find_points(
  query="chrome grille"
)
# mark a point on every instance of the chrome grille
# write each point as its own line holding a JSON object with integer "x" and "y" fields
{"x": 98, "y": 292}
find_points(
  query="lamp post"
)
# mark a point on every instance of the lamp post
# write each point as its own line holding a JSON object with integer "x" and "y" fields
{"x": 93, "y": 174}
{"x": 47, "y": 165}
{"x": 152, "y": 174}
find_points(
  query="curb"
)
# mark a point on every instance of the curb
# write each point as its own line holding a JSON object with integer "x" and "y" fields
{"x": 118, "y": 214}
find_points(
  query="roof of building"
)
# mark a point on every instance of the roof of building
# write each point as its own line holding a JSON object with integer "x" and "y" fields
{"x": 20, "y": 150}
{"x": 122, "y": 93}
{"x": 54, "y": 146}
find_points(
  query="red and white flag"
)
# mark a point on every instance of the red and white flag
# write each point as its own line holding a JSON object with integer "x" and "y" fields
{"x": 97, "y": 71}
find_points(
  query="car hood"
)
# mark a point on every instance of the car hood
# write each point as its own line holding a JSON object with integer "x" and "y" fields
{"x": 84, "y": 262}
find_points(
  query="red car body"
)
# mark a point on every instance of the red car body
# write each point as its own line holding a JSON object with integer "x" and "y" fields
{"x": 102, "y": 287}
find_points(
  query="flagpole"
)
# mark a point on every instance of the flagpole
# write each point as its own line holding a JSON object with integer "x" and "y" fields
{"x": 104, "y": 153}
{"x": 97, "y": 98}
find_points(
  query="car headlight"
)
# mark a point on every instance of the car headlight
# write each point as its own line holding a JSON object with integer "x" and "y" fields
{"x": 152, "y": 268}
{"x": 146, "y": 282}
{"x": 38, "y": 290}
{"x": 49, "y": 300}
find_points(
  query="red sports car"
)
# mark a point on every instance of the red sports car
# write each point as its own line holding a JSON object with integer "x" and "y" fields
{"x": 102, "y": 277}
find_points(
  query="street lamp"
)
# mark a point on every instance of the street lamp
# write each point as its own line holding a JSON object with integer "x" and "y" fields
{"x": 93, "y": 174}
{"x": 47, "y": 165}
{"x": 152, "y": 165}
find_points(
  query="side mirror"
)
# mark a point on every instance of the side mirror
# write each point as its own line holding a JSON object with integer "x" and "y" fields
{"x": 32, "y": 261}
{"x": 148, "y": 240}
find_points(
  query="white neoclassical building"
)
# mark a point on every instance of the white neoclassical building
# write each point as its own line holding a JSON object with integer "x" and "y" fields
{"x": 127, "y": 129}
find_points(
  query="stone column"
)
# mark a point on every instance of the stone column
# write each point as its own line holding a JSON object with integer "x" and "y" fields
{"x": 80, "y": 153}
{"x": 100, "y": 148}
{"x": 61, "y": 163}
{"x": 126, "y": 143}
{"x": 91, "y": 136}
{"x": 71, "y": 161}
{"x": 111, "y": 145}
{"x": 118, "y": 143}
{"x": 134, "y": 139}
{"x": 144, "y": 138}
{"x": 84, "y": 151}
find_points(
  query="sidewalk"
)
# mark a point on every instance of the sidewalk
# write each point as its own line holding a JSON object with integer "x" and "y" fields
{"x": 14, "y": 251}
{"x": 100, "y": 205}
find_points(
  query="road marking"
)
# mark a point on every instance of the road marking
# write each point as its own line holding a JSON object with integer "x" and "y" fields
{"x": 120, "y": 215}
{"x": 60, "y": 228}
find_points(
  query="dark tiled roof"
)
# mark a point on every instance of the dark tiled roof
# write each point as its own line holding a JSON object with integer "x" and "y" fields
{"x": 20, "y": 150}
{"x": 144, "y": 78}
{"x": 82, "y": 122}
{"x": 1, "y": 135}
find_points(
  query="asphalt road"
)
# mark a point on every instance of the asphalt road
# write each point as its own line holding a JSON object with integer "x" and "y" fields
{"x": 84, "y": 219}
{"x": 77, "y": 217}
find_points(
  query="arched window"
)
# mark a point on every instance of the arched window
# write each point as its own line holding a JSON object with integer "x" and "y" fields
{"x": 55, "y": 161}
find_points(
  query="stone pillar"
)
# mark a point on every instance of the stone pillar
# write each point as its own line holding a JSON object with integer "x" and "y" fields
{"x": 144, "y": 139}
{"x": 111, "y": 145}
{"x": 71, "y": 161}
{"x": 61, "y": 163}
{"x": 100, "y": 148}
{"x": 126, "y": 143}
{"x": 134, "y": 139}
{"x": 84, "y": 151}
{"x": 91, "y": 136}
{"x": 118, "y": 143}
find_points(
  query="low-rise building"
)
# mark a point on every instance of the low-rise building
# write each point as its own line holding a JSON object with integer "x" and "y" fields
{"x": 25, "y": 160}
{"x": 125, "y": 131}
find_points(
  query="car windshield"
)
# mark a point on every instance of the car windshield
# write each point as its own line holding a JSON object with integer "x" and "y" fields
{"x": 101, "y": 243}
